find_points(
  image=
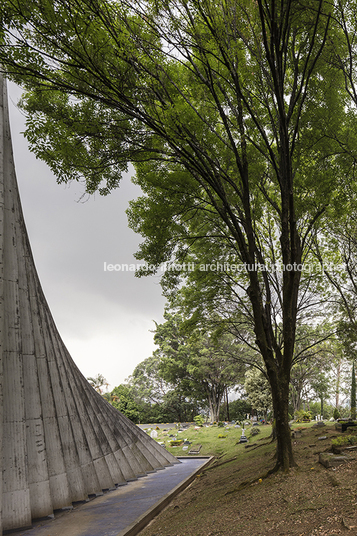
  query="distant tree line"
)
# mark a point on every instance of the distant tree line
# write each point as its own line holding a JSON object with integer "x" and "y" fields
{"x": 198, "y": 371}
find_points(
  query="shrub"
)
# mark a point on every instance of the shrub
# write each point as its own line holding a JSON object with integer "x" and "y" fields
{"x": 175, "y": 442}
{"x": 221, "y": 436}
{"x": 336, "y": 414}
{"x": 199, "y": 420}
{"x": 344, "y": 440}
{"x": 302, "y": 416}
{"x": 220, "y": 424}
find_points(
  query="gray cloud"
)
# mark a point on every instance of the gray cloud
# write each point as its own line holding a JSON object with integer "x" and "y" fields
{"x": 104, "y": 317}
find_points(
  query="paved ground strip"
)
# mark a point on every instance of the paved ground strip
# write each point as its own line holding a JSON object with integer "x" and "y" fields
{"x": 116, "y": 512}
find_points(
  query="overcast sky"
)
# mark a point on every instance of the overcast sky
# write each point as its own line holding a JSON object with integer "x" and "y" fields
{"x": 104, "y": 317}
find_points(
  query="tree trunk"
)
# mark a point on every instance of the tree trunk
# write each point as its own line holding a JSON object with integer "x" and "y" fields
{"x": 180, "y": 409}
{"x": 214, "y": 397}
{"x": 214, "y": 414}
{"x": 296, "y": 398}
{"x": 338, "y": 381}
{"x": 284, "y": 452}
{"x": 214, "y": 410}
{"x": 227, "y": 405}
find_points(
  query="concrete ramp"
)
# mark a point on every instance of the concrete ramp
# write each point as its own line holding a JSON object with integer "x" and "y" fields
{"x": 124, "y": 512}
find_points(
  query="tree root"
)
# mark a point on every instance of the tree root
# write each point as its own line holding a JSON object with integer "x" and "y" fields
{"x": 278, "y": 467}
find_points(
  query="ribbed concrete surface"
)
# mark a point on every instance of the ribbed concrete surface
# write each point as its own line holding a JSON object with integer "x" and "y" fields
{"x": 60, "y": 441}
{"x": 117, "y": 513}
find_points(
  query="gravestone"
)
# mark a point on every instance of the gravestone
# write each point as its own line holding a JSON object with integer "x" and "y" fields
{"x": 296, "y": 433}
{"x": 243, "y": 438}
{"x": 328, "y": 459}
{"x": 318, "y": 424}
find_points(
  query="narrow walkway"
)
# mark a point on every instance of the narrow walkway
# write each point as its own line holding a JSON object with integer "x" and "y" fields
{"x": 120, "y": 512}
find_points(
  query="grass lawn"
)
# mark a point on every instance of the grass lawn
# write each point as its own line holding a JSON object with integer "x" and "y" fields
{"x": 208, "y": 437}
{"x": 235, "y": 497}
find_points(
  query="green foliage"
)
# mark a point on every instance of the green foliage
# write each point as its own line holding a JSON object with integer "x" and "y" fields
{"x": 238, "y": 409}
{"x": 317, "y": 348}
{"x": 303, "y": 416}
{"x": 344, "y": 440}
{"x": 321, "y": 386}
{"x": 171, "y": 409}
{"x": 198, "y": 364}
{"x": 315, "y": 409}
{"x": 122, "y": 398}
{"x": 345, "y": 412}
{"x": 158, "y": 400}
{"x": 199, "y": 420}
{"x": 175, "y": 442}
{"x": 258, "y": 391}
{"x": 240, "y": 119}
{"x": 221, "y": 436}
{"x": 345, "y": 284}
{"x": 336, "y": 414}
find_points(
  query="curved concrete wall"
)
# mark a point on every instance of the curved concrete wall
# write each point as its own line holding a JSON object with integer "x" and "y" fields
{"x": 60, "y": 440}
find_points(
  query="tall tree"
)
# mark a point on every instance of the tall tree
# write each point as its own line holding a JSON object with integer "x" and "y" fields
{"x": 341, "y": 238}
{"x": 315, "y": 349}
{"x": 201, "y": 364}
{"x": 160, "y": 400}
{"x": 122, "y": 398}
{"x": 99, "y": 383}
{"x": 228, "y": 107}
{"x": 340, "y": 373}
{"x": 321, "y": 386}
{"x": 258, "y": 392}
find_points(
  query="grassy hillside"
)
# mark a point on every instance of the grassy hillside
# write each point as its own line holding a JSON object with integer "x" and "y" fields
{"x": 208, "y": 437}
{"x": 234, "y": 496}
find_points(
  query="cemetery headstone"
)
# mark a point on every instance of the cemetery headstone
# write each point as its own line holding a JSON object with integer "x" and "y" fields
{"x": 243, "y": 438}
{"x": 328, "y": 459}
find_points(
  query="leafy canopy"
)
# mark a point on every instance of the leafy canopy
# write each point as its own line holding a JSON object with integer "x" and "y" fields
{"x": 235, "y": 114}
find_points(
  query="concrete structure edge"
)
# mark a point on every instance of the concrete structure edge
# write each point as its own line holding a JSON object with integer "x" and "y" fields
{"x": 143, "y": 520}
